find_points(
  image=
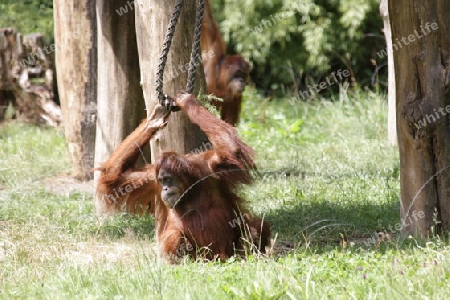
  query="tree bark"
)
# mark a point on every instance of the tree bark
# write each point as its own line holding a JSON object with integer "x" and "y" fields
{"x": 76, "y": 64}
{"x": 422, "y": 74}
{"x": 392, "y": 126}
{"x": 152, "y": 18}
{"x": 120, "y": 104}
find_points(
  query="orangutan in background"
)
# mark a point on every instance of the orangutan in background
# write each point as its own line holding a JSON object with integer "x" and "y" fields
{"x": 225, "y": 74}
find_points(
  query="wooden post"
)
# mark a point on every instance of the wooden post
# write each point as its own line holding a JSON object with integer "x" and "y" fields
{"x": 76, "y": 65}
{"x": 422, "y": 74}
{"x": 120, "y": 104}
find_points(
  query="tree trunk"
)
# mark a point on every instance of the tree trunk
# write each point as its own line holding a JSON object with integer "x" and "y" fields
{"x": 421, "y": 35}
{"x": 152, "y": 18}
{"x": 120, "y": 104}
{"x": 392, "y": 126}
{"x": 76, "y": 63}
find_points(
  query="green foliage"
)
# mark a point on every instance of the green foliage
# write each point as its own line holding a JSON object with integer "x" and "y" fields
{"x": 294, "y": 42}
{"x": 28, "y": 16}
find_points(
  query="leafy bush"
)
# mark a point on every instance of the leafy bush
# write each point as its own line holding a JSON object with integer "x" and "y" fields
{"x": 293, "y": 43}
{"x": 28, "y": 16}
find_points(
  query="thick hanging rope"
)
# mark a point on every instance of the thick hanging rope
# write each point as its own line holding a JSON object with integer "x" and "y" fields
{"x": 195, "y": 47}
{"x": 165, "y": 50}
{"x": 163, "y": 98}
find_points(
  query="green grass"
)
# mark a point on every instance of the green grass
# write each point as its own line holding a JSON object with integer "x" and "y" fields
{"x": 326, "y": 171}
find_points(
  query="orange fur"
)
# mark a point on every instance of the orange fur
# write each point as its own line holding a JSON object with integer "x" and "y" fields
{"x": 200, "y": 223}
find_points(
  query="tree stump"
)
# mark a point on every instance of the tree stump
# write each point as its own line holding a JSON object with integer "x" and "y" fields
{"x": 26, "y": 78}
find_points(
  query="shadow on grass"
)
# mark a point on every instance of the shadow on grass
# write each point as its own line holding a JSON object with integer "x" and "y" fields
{"x": 336, "y": 212}
{"x": 345, "y": 215}
{"x": 324, "y": 222}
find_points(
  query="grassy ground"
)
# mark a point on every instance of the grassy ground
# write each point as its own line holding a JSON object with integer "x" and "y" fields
{"x": 328, "y": 182}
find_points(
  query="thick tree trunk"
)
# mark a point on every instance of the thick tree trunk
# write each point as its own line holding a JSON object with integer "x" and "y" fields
{"x": 392, "y": 125}
{"x": 421, "y": 35}
{"x": 120, "y": 104}
{"x": 76, "y": 63}
{"x": 151, "y": 24}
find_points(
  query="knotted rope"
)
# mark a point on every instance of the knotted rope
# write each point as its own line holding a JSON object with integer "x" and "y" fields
{"x": 164, "y": 99}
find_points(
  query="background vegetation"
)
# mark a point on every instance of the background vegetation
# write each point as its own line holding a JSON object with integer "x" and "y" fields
{"x": 28, "y": 16}
{"x": 313, "y": 37}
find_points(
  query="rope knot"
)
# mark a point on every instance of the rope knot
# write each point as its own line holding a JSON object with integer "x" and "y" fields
{"x": 169, "y": 103}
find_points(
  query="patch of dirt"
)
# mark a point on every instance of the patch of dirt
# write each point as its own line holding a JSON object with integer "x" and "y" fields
{"x": 88, "y": 253}
{"x": 65, "y": 185}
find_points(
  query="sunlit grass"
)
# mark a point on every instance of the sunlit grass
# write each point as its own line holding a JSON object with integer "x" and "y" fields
{"x": 326, "y": 167}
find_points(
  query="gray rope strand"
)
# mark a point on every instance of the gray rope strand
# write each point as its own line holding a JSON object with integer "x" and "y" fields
{"x": 195, "y": 47}
{"x": 165, "y": 50}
